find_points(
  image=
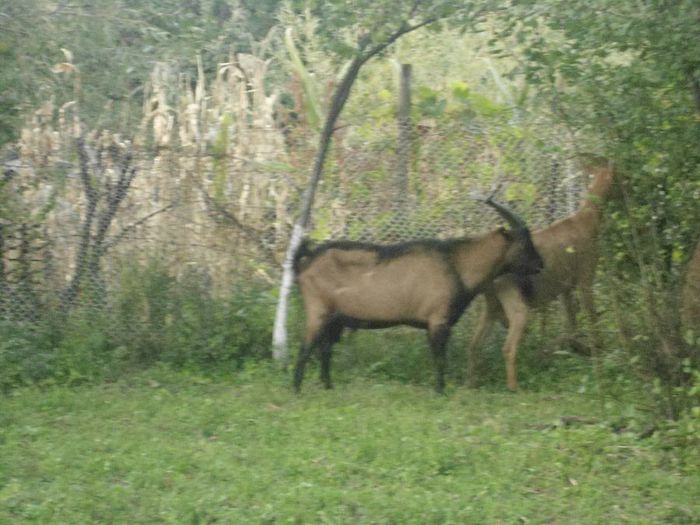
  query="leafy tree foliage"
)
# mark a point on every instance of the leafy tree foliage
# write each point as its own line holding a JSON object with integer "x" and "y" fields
{"x": 372, "y": 22}
{"x": 114, "y": 44}
{"x": 625, "y": 76}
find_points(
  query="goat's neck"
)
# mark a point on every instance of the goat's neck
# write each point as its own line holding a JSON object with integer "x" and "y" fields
{"x": 481, "y": 260}
{"x": 587, "y": 220}
{"x": 592, "y": 204}
{"x": 591, "y": 207}
{"x": 599, "y": 188}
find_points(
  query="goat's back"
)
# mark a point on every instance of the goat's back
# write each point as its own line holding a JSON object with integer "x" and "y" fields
{"x": 569, "y": 250}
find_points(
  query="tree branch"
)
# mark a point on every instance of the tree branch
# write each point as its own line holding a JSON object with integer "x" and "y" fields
{"x": 251, "y": 234}
{"x": 131, "y": 227}
{"x": 114, "y": 199}
{"x": 81, "y": 258}
{"x": 404, "y": 29}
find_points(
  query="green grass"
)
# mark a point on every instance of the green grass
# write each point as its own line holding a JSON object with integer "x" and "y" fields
{"x": 165, "y": 447}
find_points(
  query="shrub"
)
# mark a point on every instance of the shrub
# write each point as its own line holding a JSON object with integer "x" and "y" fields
{"x": 184, "y": 322}
{"x": 26, "y": 354}
{"x": 149, "y": 317}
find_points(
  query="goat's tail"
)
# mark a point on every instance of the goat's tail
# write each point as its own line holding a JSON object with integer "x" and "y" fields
{"x": 302, "y": 252}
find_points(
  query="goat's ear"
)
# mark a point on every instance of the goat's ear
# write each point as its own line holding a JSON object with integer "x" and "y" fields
{"x": 508, "y": 234}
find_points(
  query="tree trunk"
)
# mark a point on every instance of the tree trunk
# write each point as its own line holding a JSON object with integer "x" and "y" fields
{"x": 280, "y": 351}
{"x": 404, "y": 124}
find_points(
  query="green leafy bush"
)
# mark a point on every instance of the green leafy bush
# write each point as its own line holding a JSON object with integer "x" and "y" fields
{"x": 185, "y": 322}
{"x": 150, "y": 317}
{"x": 25, "y": 354}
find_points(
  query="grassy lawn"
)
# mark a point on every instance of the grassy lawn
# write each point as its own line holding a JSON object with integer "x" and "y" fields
{"x": 169, "y": 448}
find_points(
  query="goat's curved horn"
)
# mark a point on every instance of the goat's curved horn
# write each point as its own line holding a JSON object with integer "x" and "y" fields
{"x": 516, "y": 222}
{"x": 509, "y": 215}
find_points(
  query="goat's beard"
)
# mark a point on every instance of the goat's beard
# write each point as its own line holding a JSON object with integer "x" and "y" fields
{"x": 527, "y": 287}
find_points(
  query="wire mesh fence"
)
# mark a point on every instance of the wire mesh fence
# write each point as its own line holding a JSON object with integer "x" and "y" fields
{"x": 75, "y": 228}
{"x": 361, "y": 199}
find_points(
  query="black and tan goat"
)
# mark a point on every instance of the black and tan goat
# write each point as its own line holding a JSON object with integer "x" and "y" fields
{"x": 426, "y": 284}
{"x": 569, "y": 248}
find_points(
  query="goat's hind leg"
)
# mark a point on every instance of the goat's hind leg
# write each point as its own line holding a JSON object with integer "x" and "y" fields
{"x": 516, "y": 312}
{"x": 488, "y": 315}
{"x": 303, "y": 356}
{"x": 313, "y": 337}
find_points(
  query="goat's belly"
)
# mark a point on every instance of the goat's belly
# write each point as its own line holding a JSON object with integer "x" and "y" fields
{"x": 405, "y": 307}
{"x": 369, "y": 318}
{"x": 374, "y": 324}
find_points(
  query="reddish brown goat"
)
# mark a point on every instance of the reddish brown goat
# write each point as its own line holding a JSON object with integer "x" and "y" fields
{"x": 426, "y": 284}
{"x": 569, "y": 248}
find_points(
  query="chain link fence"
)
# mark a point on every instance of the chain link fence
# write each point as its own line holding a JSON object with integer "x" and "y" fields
{"x": 174, "y": 211}
{"x": 447, "y": 166}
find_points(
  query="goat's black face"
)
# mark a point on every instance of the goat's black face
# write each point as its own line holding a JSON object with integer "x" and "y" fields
{"x": 527, "y": 260}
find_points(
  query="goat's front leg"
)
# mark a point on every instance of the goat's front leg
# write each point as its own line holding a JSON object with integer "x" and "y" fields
{"x": 438, "y": 344}
{"x": 325, "y": 354}
{"x": 568, "y": 299}
{"x": 516, "y": 313}
{"x": 570, "y": 307}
